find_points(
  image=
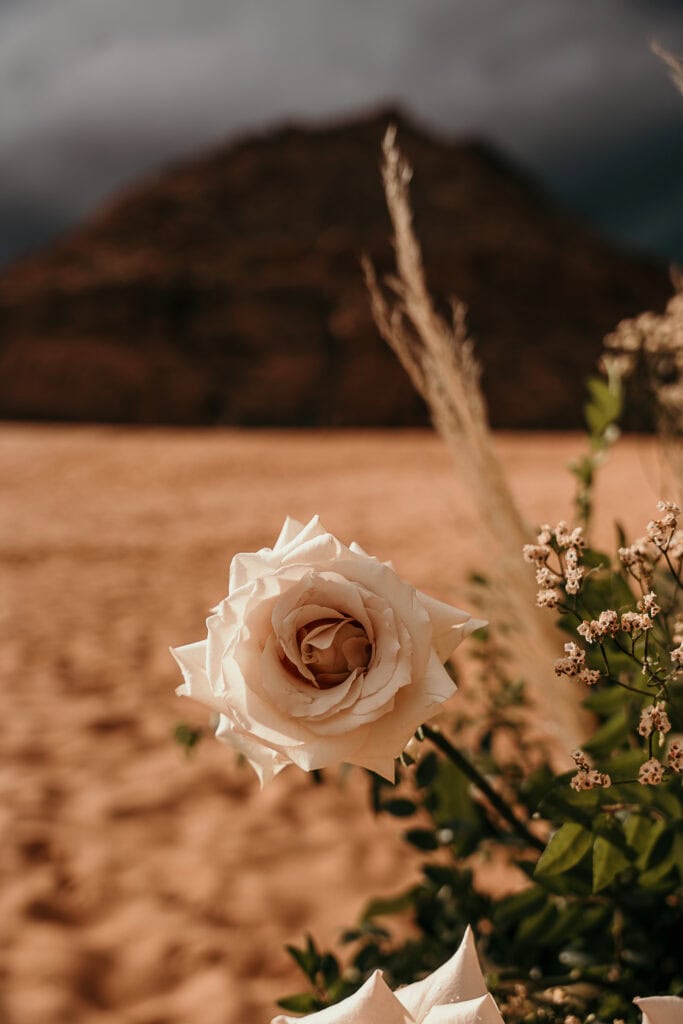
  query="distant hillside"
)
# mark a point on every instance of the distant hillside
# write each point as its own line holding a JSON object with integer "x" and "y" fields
{"x": 228, "y": 290}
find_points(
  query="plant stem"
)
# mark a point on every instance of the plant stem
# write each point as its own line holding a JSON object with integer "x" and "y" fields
{"x": 496, "y": 801}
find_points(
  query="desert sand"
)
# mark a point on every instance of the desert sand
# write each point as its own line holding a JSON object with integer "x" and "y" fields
{"x": 137, "y": 885}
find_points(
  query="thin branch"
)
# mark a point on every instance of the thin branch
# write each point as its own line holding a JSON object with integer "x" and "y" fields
{"x": 495, "y": 799}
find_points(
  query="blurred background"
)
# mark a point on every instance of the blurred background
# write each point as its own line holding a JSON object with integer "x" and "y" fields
{"x": 185, "y": 192}
{"x": 224, "y": 157}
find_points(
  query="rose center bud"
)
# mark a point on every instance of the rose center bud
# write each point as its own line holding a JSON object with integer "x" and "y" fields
{"x": 333, "y": 648}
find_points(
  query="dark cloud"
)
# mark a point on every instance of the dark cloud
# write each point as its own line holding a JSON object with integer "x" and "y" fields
{"x": 96, "y": 92}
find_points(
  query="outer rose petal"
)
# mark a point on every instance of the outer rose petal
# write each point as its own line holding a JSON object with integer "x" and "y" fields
{"x": 373, "y": 1003}
{"x": 265, "y": 762}
{"x": 457, "y": 980}
{"x": 250, "y": 565}
{"x": 192, "y": 661}
{"x": 661, "y": 1009}
{"x": 290, "y": 529}
{"x": 471, "y": 1011}
{"x": 450, "y": 625}
{"x": 383, "y": 766}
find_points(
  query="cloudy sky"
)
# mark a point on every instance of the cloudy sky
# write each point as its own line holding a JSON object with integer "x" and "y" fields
{"x": 94, "y": 93}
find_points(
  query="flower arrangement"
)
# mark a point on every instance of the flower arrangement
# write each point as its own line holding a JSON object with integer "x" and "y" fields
{"x": 321, "y": 655}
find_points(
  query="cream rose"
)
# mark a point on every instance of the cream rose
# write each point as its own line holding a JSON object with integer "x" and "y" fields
{"x": 661, "y": 1009}
{"x": 321, "y": 654}
{"x": 454, "y": 994}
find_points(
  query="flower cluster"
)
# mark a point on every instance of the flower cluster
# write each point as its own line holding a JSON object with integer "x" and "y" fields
{"x": 662, "y": 538}
{"x": 587, "y": 777}
{"x": 635, "y": 643}
{"x": 660, "y": 531}
{"x": 635, "y": 623}
{"x": 596, "y": 630}
{"x": 567, "y": 545}
{"x": 654, "y": 343}
{"x": 651, "y": 773}
{"x": 574, "y": 665}
{"x": 677, "y": 656}
{"x": 654, "y": 719}
{"x": 674, "y": 757}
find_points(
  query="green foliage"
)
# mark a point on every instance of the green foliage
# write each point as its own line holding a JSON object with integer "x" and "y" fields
{"x": 591, "y": 860}
{"x": 602, "y": 413}
{"x": 323, "y": 974}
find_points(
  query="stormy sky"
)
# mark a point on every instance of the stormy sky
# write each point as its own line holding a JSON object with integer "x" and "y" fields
{"x": 94, "y": 93}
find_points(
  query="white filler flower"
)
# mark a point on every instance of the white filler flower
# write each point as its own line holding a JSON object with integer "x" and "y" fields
{"x": 454, "y": 994}
{"x": 321, "y": 654}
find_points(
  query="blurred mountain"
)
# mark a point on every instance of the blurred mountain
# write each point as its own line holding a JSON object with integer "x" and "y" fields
{"x": 228, "y": 290}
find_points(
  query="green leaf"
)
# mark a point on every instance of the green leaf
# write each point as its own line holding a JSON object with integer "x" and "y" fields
{"x": 603, "y": 406}
{"x": 392, "y": 905}
{"x": 608, "y": 862}
{"x": 566, "y": 848}
{"x": 535, "y": 926}
{"x": 329, "y": 970}
{"x": 427, "y": 769}
{"x": 642, "y": 834}
{"x": 609, "y": 735}
{"x": 566, "y": 924}
{"x": 305, "y": 1002}
{"x": 422, "y": 838}
{"x": 606, "y": 700}
{"x": 308, "y": 959}
{"x": 399, "y": 807}
{"x": 439, "y": 875}
{"x": 512, "y": 908}
{"x": 187, "y": 736}
{"x": 678, "y": 853}
{"x": 449, "y": 800}
{"x": 562, "y": 803}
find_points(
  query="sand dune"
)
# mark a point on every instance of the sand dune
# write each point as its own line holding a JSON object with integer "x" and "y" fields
{"x": 137, "y": 886}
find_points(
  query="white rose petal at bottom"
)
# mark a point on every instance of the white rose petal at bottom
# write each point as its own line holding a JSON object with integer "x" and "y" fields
{"x": 458, "y": 980}
{"x": 454, "y": 994}
{"x": 472, "y": 1011}
{"x": 373, "y": 1003}
{"x": 661, "y": 1009}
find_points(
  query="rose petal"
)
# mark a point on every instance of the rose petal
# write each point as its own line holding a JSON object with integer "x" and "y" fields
{"x": 248, "y": 566}
{"x": 450, "y": 625}
{"x": 328, "y": 589}
{"x": 265, "y": 761}
{"x": 383, "y": 766}
{"x": 414, "y": 705}
{"x": 293, "y": 696}
{"x": 327, "y": 751}
{"x": 661, "y": 1009}
{"x": 383, "y": 582}
{"x": 291, "y": 528}
{"x": 192, "y": 661}
{"x": 460, "y": 978}
{"x": 287, "y": 630}
{"x": 373, "y": 1003}
{"x": 471, "y": 1011}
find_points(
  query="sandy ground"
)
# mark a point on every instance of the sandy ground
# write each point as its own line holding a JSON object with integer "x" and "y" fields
{"x": 136, "y": 885}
